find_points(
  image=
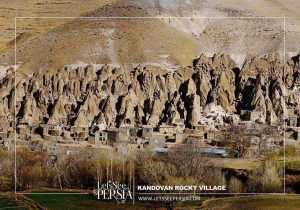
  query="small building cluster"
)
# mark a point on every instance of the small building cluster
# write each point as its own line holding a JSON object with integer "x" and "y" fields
{"x": 54, "y": 139}
{"x": 6, "y": 134}
{"x": 58, "y": 140}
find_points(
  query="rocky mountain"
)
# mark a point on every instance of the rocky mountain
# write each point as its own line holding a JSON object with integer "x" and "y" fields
{"x": 139, "y": 54}
{"x": 212, "y": 91}
{"x": 167, "y": 33}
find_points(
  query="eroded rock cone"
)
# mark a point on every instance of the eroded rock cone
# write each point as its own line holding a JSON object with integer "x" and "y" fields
{"x": 59, "y": 114}
{"x": 153, "y": 95}
{"x": 31, "y": 114}
{"x": 87, "y": 111}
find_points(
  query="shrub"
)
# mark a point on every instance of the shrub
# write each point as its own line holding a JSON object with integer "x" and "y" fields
{"x": 290, "y": 151}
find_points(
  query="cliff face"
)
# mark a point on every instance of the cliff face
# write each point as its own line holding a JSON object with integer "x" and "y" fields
{"x": 7, "y": 96}
{"x": 212, "y": 91}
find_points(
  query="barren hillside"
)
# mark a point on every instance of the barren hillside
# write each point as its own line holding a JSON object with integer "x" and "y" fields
{"x": 179, "y": 37}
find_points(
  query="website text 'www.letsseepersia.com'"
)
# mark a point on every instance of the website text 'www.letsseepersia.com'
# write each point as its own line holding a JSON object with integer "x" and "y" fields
{"x": 168, "y": 197}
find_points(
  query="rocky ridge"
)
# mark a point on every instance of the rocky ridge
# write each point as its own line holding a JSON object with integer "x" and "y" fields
{"x": 211, "y": 91}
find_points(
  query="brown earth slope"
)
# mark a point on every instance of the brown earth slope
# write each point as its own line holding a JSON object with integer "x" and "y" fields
{"x": 230, "y": 36}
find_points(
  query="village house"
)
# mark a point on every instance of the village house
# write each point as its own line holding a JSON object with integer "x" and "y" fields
{"x": 97, "y": 127}
{"x": 147, "y": 131}
{"x": 156, "y": 142}
{"x": 195, "y": 140}
{"x": 79, "y": 133}
{"x": 164, "y": 128}
{"x": 92, "y": 140}
{"x": 49, "y": 137}
{"x": 56, "y": 131}
{"x": 50, "y": 132}
{"x": 246, "y": 124}
{"x": 131, "y": 130}
{"x": 179, "y": 125}
{"x": 293, "y": 121}
{"x": 62, "y": 148}
{"x": 54, "y": 150}
{"x": 117, "y": 135}
{"x": 23, "y": 137}
{"x": 45, "y": 128}
{"x": 210, "y": 135}
{"x": 100, "y": 137}
{"x": 37, "y": 146}
{"x": 5, "y": 138}
{"x": 171, "y": 135}
{"x": 180, "y": 138}
{"x": 199, "y": 127}
{"x": 199, "y": 134}
{"x": 249, "y": 115}
{"x": 25, "y": 129}
{"x": 127, "y": 148}
{"x": 170, "y": 139}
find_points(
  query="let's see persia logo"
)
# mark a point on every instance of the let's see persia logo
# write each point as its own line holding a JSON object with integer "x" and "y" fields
{"x": 113, "y": 190}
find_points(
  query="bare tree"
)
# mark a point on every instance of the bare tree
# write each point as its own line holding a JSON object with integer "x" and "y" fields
{"x": 6, "y": 169}
{"x": 183, "y": 165}
{"x": 29, "y": 168}
{"x": 237, "y": 140}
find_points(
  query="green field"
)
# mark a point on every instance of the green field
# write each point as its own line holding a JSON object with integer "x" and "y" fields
{"x": 79, "y": 201}
{"x": 258, "y": 202}
{"x": 10, "y": 202}
{"x": 292, "y": 164}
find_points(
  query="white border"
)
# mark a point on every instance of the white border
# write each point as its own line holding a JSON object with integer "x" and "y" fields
{"x": 159, "y": 17}
{"x": 284, "y": 123}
